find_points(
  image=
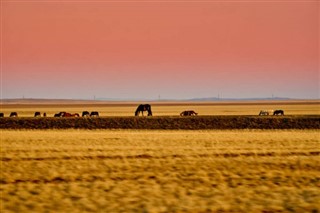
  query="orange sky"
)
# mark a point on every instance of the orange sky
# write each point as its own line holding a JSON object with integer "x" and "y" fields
{"x": 176, "y": 49}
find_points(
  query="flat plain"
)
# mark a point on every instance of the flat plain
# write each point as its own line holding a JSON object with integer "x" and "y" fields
{"x": 160, "y": 171}
{"x": 131, "y": 170}
{"x": 293, "y": 107}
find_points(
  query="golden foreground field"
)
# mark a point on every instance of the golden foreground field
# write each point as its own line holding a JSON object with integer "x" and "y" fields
{"x": 160, "y": 171}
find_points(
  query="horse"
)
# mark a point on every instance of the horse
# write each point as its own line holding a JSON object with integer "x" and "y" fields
{"x": 94, "y": 114}
{"x": 13, "y": 114}
{"x": 1, "y": 114}
{"x": 188, "y": 113}
{"x": 60, "y": 114}
{"x": 85, "y": 114}
{"x": 143, "y": 107}
{"x": 37, "y": 114}
{"x": 44, "y": 114}
{"x": 266, "y": 112}
{"x": 66, "y": 114}
{"x": 278, "y": 112}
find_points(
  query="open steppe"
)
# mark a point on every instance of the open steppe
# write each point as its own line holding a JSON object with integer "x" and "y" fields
{"x": 119, "y": 115}
{"x": 160, "y": 171}
{"x": 267, "y": 166}
{"x": 291, "y": 107}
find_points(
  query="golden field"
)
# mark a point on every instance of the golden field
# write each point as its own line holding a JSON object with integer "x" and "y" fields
{"x": 131, "y": 170}
{"x": 160, "y": 171}
{"x": 28, "y": 108}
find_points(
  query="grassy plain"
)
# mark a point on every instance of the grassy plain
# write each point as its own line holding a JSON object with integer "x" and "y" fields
{"x": 27, "y": 109}
{"x": 160, "y": 171}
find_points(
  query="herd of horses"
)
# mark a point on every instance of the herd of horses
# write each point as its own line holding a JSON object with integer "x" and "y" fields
{"x": 272, "y": 112}
{"x": 140, "y": 109}
{"x": 84, "y": 114}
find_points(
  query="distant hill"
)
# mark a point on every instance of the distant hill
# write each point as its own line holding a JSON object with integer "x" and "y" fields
{"x": 115, "y": 100}
{"x": 239, "y": 99}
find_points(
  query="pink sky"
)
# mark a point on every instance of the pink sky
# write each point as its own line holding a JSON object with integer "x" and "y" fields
{"x": 175, "y": 49}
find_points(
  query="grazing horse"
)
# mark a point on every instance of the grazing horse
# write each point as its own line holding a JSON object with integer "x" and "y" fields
{"x": 266, "y": 112}
{"x": 1, "y": 115}
{"x": 143, "y": 107}
{"x": 60, "y": 114}
{"x": 37, "y": 114}
{"x": 278, "y": 112}
{"x": 13, "y": 114}
{"x": 188, "y": 113}
{"x": 94, "y": 114}
{"x": 66, "y": 114}
{"x": 85, "y": 114}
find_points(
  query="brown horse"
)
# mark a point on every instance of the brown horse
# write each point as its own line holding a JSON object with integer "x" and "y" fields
{"x": 266, "y": 112}
{"x": 66, "y": 114}
{"x": 188, "y": 113}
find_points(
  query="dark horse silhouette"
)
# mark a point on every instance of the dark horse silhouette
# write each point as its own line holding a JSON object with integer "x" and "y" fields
{"x": 188, "y": 113}
{"x": 85, "y": 114}
{"x": 94, "y": 114}
{"x": 1, "y": 114}
{"x": 143, "y": 107}
{"x": 13, "y": 114}
{"x": 278, "y": 112}
{"x": 37, "y": 114}
{"x": 60, "y": 114}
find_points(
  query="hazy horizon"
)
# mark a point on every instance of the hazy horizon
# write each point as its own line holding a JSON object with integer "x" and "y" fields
{"x": 200, "y": 99}
{"x": 175, "y": 50}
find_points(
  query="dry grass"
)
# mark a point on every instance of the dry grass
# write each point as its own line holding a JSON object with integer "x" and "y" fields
{"x": 160, "y": 171}
{"x": 166, "y": 122}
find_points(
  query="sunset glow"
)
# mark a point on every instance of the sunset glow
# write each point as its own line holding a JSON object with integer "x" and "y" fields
{"x": 178, "y": 49}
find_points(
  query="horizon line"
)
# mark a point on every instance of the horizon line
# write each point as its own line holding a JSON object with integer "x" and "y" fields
{"x": 157, "y": 100}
